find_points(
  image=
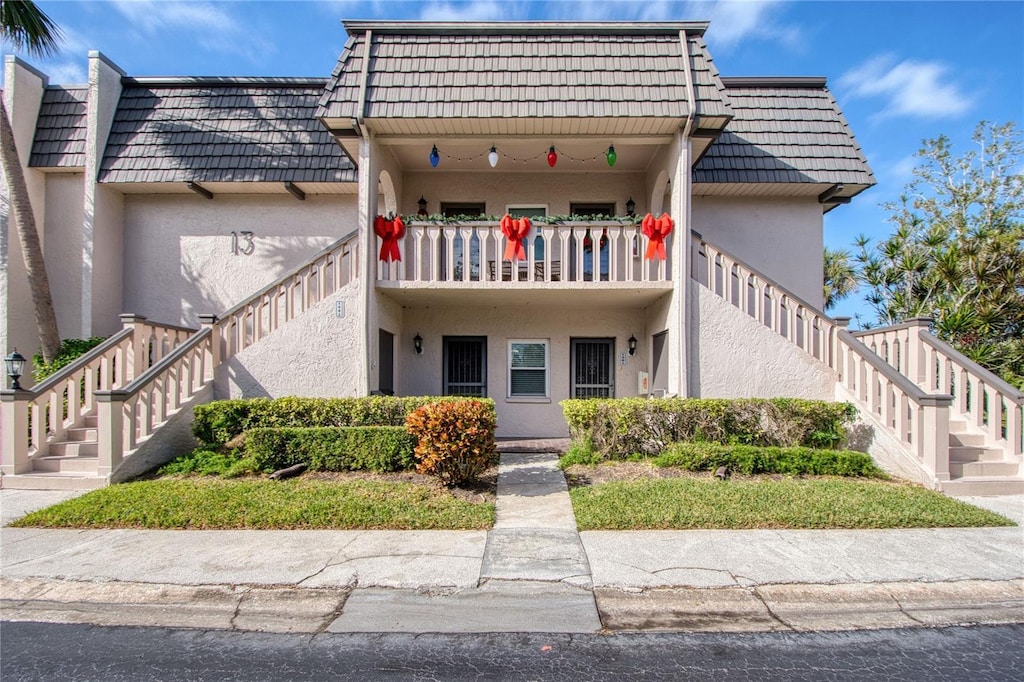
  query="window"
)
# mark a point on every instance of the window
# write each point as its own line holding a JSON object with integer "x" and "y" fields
{"x": 592, "y": 210}
{"x": 465, "y": 365}
{"x": 451, "y": 209}
{"x": 528, "y": 368}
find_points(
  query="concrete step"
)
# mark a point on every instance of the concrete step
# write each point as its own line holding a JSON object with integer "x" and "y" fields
{"x": 81, "y": 433}
{"x": 76, "y": 449}
{"x": 91, "y": 421}
{"x": 969, "y": 439}
{"x": 987, "y": 486}
{"x": 957, "y": 425}
{"x": 975, "y": 454}
{"x": 79, "y": 465}
{"x": 983, "y": 469}
{"x": 53, "y": 481}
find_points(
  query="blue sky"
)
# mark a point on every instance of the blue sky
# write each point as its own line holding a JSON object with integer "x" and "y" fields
{"x": 901, "y": 71}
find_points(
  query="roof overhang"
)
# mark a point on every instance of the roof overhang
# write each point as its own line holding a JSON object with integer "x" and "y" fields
{"x": 531, "y": 27}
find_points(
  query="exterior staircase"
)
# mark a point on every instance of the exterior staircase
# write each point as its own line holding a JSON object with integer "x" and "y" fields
{"x": 955, "y": 421}
{"x": 101, "y": 419}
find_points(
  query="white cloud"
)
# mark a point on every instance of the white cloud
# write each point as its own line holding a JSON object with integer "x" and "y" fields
{"x": 67, "y": 73}
{"x": 481, "y": 10}
{"x": 908, "y": 87}
{"x": 209, "y": 24}
{"x": 734, "y": 22}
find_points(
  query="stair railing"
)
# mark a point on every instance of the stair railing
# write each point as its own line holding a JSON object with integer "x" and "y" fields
{"x": 989, "y": 405}
{"x": 35, "y": 417}
{"x": 920, "y": 420}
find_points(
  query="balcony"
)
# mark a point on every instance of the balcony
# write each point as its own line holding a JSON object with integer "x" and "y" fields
{"x": 563, "y": 261}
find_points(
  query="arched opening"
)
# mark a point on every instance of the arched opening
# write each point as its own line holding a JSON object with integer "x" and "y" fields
{"x": 387, "y": 193}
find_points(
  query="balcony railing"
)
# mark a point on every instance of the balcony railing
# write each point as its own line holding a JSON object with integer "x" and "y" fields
{"x": 472, "y": 254}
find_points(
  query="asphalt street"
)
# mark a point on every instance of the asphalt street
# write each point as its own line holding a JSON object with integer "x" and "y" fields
{"x": 44, "y": 651}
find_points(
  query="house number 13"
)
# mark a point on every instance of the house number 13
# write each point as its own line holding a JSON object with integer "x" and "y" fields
{"x": 242, "y": 243}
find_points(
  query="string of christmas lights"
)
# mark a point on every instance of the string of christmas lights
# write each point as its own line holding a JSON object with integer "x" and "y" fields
{"x": 493, "y": 155}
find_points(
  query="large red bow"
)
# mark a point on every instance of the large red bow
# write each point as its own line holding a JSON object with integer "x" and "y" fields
{"x": 515, "y": 230}
{"x": 656, "y": 229}
{"x": 390, "y": 231}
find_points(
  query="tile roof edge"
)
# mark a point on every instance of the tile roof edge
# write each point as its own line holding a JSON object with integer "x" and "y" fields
{"x": 809, "y": 82}
{"x": 227, "y": 81}
{"x": 537, "y": 27}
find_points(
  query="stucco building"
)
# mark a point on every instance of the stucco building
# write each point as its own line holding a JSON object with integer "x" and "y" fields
{"x": 260, "y": 212}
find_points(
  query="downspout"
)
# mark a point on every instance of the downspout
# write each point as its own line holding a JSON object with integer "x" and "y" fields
{"x": 682, "y": 209}
{"x": 367, "y": 195}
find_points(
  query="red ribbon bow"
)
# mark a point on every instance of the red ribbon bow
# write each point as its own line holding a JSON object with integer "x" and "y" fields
{"x": 656, "y": 229}
{"x": 390, "y": 231}
{"x": 515, "y": 230}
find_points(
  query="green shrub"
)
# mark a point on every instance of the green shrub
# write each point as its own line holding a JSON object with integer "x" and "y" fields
{"x": 218, "y": 422}
{"x": 750, "y": 459}
{"x": 70, "y": 350}
{"x": 344, "y": 448}
{"x": 455, "y": 439}
{"x": 201, "y": 462}
{"x": 624, "y": 427}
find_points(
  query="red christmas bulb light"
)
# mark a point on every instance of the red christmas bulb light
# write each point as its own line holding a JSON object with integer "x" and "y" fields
{"x": 552, "y": 156}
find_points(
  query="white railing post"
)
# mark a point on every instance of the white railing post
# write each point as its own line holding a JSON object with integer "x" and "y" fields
{"x": 14, "y": 431}
{"x": 834, "y": 359}
{"x": 214, "y": 356}
{"x": 915, "y": 354}
{"x": 935, "y": 434}
{"x": 138, "y": 357}
{"x": 110, "y": 430}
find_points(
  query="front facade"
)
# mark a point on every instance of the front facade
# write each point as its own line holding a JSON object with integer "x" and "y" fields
{"x": 176, "y": 198}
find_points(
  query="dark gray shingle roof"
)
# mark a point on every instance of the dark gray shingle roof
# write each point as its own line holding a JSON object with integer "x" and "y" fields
{"x": 537, "y": 71}
{"x": 222, "y": 130}
{"x": 60, "y": 129}
{"x": 784, "y": 131}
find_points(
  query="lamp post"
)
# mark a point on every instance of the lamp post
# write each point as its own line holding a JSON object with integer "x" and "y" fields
{"x": 15, "y": 368}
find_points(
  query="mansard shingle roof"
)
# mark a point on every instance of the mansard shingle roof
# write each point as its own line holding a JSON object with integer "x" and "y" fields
{"x": 61, "y": 129}
{"x": 504, "y": 70}
{"x": 222, "y": 130}
{"x": 784, "y": 130}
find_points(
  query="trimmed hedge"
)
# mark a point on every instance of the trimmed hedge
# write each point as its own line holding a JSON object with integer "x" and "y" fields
{"x": 620, "y": 428}
{"x": 455, "y": 439}
{"x": 751, "y": 459}
{"x": 218, "y": 422}
{"x": 377, "y": 448}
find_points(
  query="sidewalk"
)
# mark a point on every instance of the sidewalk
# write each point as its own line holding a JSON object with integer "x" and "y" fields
{"x": 532, "y": 573}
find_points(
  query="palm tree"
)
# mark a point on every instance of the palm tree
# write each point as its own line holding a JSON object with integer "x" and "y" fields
{"x": 840, "y": 276}
{"x": 26, "y": 27}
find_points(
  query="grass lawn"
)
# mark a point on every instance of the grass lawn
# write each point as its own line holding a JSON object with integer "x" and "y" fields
{"x": 206, "y": 503}
{"x": 768, "y": 502}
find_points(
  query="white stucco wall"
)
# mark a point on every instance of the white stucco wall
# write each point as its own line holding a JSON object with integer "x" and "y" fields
{"x": 557, "y": 190}
{"x": 64, "y": 249}
{"x": 178, "y": 248}
{"x": 422, "y": 374}
{"x": 315, "y": 355}
{"x": 781, "y": 237}
{"x": 734, "y": 356}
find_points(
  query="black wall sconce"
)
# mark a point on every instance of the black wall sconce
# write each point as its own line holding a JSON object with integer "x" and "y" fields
{"x": 632, "y": 345}
{"x": 417, "y": 343}
{"x": 630, "y": 206}
{"x": 423, "y": 206}
{"x": 15, "y": 363}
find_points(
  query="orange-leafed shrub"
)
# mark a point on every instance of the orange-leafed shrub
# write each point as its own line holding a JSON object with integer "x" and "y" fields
{"x": 455, "y": 439}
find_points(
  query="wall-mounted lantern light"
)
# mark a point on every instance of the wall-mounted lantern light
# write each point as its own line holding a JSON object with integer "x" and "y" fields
{"x": 15, "y": 368}
{"x": 422, "y": 203}
{"x": 632, "y": 345}
{"x": 630, "y": 206}
{"x": 417, "y": 343}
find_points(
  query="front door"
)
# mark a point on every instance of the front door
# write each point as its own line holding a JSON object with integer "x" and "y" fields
{"x": 465, "y": 365}
{"x": 593, "y": 369}
{"x": 386, "y": 356}
{"x": 659, "y": 382}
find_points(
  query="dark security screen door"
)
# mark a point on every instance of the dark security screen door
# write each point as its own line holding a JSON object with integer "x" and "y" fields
{"x": 386, "y": 355}
{"x": 592, "y": 368}
{"x": 465, "y": 365}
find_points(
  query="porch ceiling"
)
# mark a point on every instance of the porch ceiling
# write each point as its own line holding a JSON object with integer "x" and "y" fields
{"x": 540, "y": 294}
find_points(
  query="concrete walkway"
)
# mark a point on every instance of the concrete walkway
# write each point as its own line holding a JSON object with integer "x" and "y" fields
{"x": 532, "y": 573}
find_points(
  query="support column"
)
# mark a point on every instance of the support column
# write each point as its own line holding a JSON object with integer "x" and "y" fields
{"x": 110, "y": 430}
{"x": 14, "y": 432}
